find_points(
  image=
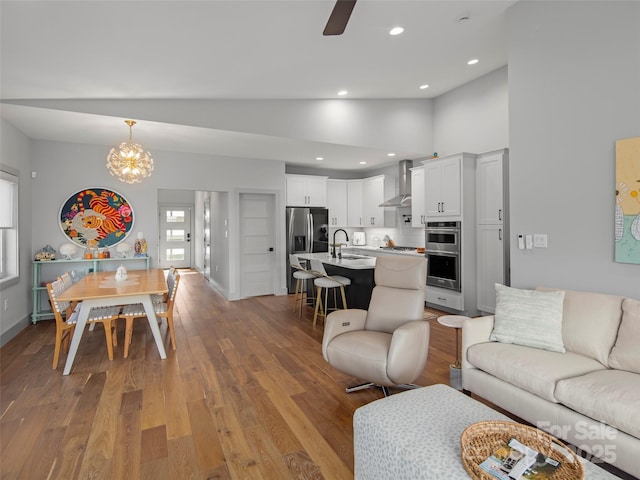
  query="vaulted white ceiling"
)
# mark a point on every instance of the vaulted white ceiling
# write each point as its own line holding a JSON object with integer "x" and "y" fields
{"x": 210, "y": 49}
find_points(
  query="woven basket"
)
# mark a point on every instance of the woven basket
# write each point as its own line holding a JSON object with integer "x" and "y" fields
{"x": 480, "y": 440}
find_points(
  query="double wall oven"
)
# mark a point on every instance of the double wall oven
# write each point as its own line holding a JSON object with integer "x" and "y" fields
{"x": 443, "y": 250}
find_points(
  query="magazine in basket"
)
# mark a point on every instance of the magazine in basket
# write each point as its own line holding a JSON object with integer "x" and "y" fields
{"x": 515, "y": 461}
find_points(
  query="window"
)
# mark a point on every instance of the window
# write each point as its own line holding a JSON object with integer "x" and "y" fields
{"x": 174, "y": 254}
{"x": 175, "y": 216}
{"x": 8, "y": 225}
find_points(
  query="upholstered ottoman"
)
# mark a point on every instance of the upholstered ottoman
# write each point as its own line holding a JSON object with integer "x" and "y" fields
{"x": 416, "y": 435}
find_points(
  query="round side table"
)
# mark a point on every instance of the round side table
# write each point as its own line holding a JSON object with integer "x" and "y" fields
{"x": 454, "y": 321}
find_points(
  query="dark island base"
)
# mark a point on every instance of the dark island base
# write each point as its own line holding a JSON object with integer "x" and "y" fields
{"x": 359, "y": 292}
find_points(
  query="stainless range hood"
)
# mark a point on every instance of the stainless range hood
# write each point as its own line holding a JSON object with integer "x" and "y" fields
{"x": 404, "y": 186}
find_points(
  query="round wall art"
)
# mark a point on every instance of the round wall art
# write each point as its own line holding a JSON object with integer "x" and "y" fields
{"x": 96, "y": 217}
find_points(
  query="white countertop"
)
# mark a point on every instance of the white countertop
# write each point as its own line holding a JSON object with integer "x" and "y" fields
{"x": 382, "y": 251}
{"x": 360, "y": 263}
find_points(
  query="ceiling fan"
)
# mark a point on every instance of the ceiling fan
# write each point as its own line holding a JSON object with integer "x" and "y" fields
{"x": 339, "y": 17}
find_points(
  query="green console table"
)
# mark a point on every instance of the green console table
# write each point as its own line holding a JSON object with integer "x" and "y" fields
{"x": 47, "y": 271}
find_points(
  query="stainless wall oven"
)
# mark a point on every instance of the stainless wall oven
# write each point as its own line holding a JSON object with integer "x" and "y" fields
{"x": 443, "y": 251}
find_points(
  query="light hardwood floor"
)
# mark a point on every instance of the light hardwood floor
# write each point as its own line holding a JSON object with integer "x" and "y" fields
{"x": 246, "y": 394}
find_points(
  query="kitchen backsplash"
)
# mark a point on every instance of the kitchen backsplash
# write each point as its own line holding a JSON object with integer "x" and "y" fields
{"x": 405, "y": 236}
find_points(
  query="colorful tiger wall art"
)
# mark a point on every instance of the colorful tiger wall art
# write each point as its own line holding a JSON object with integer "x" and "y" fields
{"x": 96, "y": 217}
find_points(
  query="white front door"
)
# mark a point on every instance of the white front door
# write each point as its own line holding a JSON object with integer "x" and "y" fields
{"x": 175, "y": 236}
{"x": 257, "y": 256}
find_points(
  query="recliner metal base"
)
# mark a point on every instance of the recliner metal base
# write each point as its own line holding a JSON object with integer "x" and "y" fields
{"x": 385, "y": 390}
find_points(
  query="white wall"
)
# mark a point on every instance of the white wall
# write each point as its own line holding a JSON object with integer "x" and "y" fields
{"x": 574, "y": 89}
{"x": 198, "y": 230}
{"x": 220, "y": 251}
{"x": 15, "y": 153}
{"x": 473, "y": 117}
{"x": 63, "y": 169}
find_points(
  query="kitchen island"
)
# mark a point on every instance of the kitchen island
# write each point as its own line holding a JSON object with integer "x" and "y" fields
{"x": 358, "y": 268}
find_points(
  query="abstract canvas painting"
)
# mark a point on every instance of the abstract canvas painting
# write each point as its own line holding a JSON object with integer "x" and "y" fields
{"x": 96, "y": 217}
{"x": 627, "y": 215}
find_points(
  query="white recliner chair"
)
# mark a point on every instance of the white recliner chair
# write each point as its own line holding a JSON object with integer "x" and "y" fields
{"x": 388, "y": 344}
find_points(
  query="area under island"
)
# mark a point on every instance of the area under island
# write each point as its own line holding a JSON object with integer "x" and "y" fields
{"x": 358, "y": 268}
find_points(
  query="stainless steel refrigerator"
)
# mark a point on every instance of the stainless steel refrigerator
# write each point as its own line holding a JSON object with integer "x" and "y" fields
{"x": 307, "y": 232}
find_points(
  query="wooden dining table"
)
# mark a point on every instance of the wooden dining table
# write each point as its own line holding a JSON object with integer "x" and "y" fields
{"x": 101, "y": 289}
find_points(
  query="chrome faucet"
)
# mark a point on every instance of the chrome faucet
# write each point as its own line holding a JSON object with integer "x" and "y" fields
{"x": 333, "y": 252}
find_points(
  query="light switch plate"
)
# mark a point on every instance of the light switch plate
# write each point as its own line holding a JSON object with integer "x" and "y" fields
{"x": 528, "y": 240}
{"x": 540, "y": 240}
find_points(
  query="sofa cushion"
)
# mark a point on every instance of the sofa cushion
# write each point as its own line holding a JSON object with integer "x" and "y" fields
{"x": 626, "y": 352}
{"x": 528, "y": 317}
{"x": 590, "y": 323}
{"x": 609, "y": 396}
{"x": 531, "y": 369}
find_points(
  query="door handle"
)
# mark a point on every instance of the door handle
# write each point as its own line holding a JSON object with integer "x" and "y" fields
{"x": 271, "y": 249}
{"x": 500, "y": 214}
{"x": 188, "y": 237}
{"x": 499, "y": 234}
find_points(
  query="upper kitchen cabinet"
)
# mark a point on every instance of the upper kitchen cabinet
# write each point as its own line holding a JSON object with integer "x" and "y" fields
{"x": 445, "y": 182}
{"x": 418, "y": 202}
{"x": 337, "y": 202}
{"x": 355, "y": 213}
{"x": 306, "y": 191}
{"x": 375, "y": 190}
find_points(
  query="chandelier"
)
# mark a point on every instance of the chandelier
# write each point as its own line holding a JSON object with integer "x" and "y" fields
{"x": 129, "y": 161}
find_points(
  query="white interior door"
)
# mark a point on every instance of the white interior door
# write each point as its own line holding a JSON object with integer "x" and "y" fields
{"x": 175, "y": 236}
{"x": 257, "y": 241}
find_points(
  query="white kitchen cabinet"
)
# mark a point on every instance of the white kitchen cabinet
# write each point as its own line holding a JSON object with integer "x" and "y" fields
{"x": 375, "y": 190}
{"x": 448, "y": 299}
{"x": 355, "y": 214}
{"x": 443, "y": 186}
{"x": 337, "y": 202}
{"x": 489, "y": 188}
{"x": 490, "y": 264}
{"x": 492, "y": 226}
{"x": 418, "y": 202}
{"x": 306, "y": 191}
{"x": 450, "y": 193}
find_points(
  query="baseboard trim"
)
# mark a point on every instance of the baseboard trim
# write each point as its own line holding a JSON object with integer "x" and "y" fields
{"x": 14, "y": 330}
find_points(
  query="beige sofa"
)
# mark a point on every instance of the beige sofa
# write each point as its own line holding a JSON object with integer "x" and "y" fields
{"x": 589, "y": 396}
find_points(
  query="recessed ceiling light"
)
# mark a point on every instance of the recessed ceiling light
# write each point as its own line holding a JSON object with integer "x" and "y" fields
{"x": 473, "y": 61}
{"x": 422, "y": 87}
{"x": 342, "y": 92}
{"x": 319, "y": 158}
{"x": 396, "y": 31}
{"x": 391, "y": 154}
{"x": 363, "y": 163}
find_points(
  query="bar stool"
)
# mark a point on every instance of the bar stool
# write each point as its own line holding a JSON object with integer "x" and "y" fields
{"x": 325, "y": 281}
{"x": 301, "y": 275}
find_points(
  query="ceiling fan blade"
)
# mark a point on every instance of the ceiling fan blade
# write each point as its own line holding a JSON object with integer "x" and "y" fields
{"x": 339, "y": 17}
